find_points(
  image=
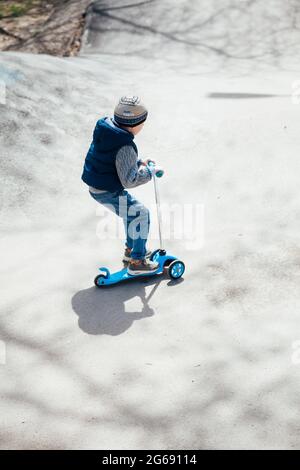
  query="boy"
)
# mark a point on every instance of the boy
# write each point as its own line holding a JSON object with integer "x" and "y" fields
{"x": 111, "y": 165}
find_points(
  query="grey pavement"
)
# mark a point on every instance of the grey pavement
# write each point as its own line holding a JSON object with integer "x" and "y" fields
{"x": 208, "y": 362}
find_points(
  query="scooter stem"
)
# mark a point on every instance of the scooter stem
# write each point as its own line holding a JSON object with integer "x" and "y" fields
{"x": 158, "y": 211}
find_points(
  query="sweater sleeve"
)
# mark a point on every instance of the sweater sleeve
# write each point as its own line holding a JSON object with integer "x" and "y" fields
{"x": 131, "y": 174}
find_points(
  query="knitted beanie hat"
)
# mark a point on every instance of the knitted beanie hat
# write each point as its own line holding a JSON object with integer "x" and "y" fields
{"x": 130, "y": 111}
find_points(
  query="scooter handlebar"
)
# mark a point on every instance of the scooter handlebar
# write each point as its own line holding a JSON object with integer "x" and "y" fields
{"x": 156, "y": 170}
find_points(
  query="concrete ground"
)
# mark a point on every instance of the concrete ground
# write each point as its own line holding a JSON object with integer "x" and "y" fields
{"x": 209, "y": 362}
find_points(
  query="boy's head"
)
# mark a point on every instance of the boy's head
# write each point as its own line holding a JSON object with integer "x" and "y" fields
{"x": 131, "y": 113}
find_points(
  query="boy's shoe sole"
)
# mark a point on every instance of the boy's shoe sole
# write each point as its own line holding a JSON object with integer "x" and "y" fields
{"x": 126, "y": 259}
{"x": 136, "y": 272}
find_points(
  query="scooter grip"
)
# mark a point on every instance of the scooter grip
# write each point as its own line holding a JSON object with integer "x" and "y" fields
{"x": 157, "y": 171}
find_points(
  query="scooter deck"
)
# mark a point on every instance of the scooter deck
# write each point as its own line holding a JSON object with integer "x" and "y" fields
{"x": 122, "y": 275}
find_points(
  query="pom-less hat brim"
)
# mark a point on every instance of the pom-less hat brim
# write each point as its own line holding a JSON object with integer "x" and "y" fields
{"x": 132, "y": 122}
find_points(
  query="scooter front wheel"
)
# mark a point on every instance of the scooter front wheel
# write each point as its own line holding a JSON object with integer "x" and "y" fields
{"x": 176, "y": 269}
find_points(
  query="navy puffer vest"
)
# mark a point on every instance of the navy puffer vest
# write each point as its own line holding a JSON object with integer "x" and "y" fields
{"x": 100, "y": 163}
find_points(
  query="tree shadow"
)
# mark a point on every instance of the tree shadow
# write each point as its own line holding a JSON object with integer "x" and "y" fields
{"x": 102, "y": 311}
{"x": 228, "y": 31}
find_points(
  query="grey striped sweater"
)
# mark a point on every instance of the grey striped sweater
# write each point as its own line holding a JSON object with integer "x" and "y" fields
{"x": 129, "y": 170}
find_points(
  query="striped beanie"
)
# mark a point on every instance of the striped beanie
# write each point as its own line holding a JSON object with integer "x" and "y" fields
{"x": 130, "y": 111}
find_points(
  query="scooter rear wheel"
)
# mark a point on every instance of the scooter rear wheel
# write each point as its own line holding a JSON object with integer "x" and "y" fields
{"x": 98, "y": 281}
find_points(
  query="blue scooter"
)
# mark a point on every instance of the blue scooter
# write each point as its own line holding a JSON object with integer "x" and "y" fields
{"x": 165, "y": 261}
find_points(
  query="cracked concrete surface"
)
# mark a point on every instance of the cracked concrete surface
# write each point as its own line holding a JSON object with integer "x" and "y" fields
{"x": 205, "y": 363}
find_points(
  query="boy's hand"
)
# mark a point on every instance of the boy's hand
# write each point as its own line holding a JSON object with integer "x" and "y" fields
{"x": 146, "y": 162}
